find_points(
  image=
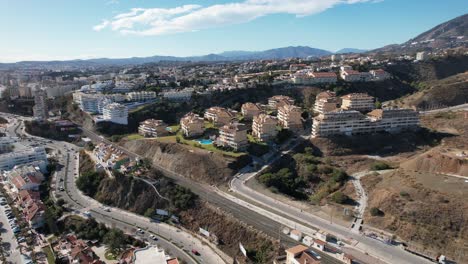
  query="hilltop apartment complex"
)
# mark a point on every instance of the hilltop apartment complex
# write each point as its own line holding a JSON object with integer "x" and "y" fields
{"x": 192, "y": 125}
{"x": 233, "y": 136}
{"x": 351, "y": 122}
{"x": 289, "y": 117}
{"x": 250, "y": 110}
{"x": 277, "y": 101}
{"x": 264, "y": 127}
{"x": 219, "y": 115}
{"x": 152, "y": 128}
{"x": 357, "y": 101}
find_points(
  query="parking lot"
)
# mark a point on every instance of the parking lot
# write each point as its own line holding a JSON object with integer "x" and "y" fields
{"x": 9, "y": 243}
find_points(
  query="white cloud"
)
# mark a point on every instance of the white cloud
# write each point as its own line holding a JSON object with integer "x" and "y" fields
{"x": 187, "y": 18}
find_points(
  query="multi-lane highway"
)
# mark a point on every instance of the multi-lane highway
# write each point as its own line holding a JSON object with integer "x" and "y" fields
{"x": 176, "y": 241}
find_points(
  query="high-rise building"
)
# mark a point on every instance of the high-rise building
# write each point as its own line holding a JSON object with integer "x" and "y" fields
{"x": 40, "y": 109}
{"x": 115, "y": 113}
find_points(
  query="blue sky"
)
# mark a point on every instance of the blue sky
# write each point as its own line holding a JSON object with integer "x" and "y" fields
{"x": 58, "y": 29}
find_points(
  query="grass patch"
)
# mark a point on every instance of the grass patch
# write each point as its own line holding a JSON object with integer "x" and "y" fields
{"x": 209, "y": 125}
{"x": 110, "y": 256}
{"x": 174, "y": 128}
{"x": 50, "y": 255}
{"x": 134, "y": 136}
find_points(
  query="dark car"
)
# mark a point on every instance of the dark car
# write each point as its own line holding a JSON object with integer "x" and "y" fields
{"x": 195, "y": 252}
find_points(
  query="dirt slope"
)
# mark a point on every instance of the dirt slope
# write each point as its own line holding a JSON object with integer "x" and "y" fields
{"x": 440, "y": 160}
{"x": 196, "y": 164}
{"x": 427, "y": 211}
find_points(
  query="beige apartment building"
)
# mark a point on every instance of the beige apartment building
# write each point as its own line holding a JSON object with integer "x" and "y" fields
{"x": 249, "y": 110}
{"x": 357, "y": 101}
{"x": 351, "y": 122}
{"x": 192, "y": 125}
{"x": 152, "y": 128}
{"x": 219, "y": 115}
{"x": 289, "y": 117}
{"x": 233, "y": 136}
{"x": 264, "y": 127}
{"x": 326, "y": 102}
{"x": 277, "y": 101}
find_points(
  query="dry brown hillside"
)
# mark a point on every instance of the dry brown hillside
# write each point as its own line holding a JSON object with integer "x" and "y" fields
{"x": 422, "y": 203}
{"x": 197, "y": 164}
{"x": 435, "y": 94}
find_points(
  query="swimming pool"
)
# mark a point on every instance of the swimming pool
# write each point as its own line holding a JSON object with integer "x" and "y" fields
{"x": 205, "y": 141}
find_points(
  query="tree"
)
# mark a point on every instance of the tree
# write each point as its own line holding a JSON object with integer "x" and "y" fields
{"x": 88, "y": 182}
{"x": 149, "y": 212}
{"x": 115, "y": 240}
{"x": 378, "y": 105}
{"x": 339, "y": 197}
{"x": 379, "y": 165}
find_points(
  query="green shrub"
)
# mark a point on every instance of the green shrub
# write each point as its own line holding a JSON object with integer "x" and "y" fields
{"x": 374, "y": 211}
{"x": 339, "y": 197}
{"x": 379, "y": 165}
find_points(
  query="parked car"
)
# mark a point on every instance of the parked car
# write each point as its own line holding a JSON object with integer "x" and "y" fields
{"x": 195, "y": 252}
{"x": 140, "y": 231}
{"x": 16, "y": 230}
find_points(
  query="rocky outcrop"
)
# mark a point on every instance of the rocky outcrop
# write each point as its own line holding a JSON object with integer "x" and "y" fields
{"x": 193, "y": 163}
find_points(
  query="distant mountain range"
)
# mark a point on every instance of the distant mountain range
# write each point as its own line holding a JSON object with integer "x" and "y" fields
{"x": 350, "y": 50}
{"x": 450, "y": 34}
{"x": 239, "y": 55}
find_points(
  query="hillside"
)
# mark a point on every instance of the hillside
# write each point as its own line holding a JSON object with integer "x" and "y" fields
{"x": 448, "y": 30}
{"x": 449, "y": 91}
{"x": 434, "y": 69}
{"x": 450, "y": 34}
{"x": 420, "y": 201}
{"x": 212, "y": 168}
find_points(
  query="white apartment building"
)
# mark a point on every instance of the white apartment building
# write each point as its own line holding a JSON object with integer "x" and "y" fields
{"x": 289, "y": 117}
{"x": 352, "y": 122}
{"x": 233, "y": 136}
{"x": 115, "y": 113}
{"x": 21, "y": 157}
{"x": 326, "y": 102}
{"x": 179, "y": 96}
{"x": 379, "y": 75}
{"x": 152, "y": 128}
{"x": 357, "y": 101}
{"x": 310, "y": 78}
{"x": 141, "y": 96}
{"x": 91, "y": 103}
{"x": 40, "y": 109}
{"x": 420, "y": 56}
{"x": 355, "y": 76}
{"x": 264, "y": 127}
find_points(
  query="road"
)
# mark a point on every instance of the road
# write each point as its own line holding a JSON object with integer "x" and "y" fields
{"x": 172, "y": 239}
{"x": 308, "y": 221}
{"x": 446, "y": 109}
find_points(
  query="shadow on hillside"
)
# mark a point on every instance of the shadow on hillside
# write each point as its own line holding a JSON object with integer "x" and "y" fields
{"x": 381, "y": 144}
